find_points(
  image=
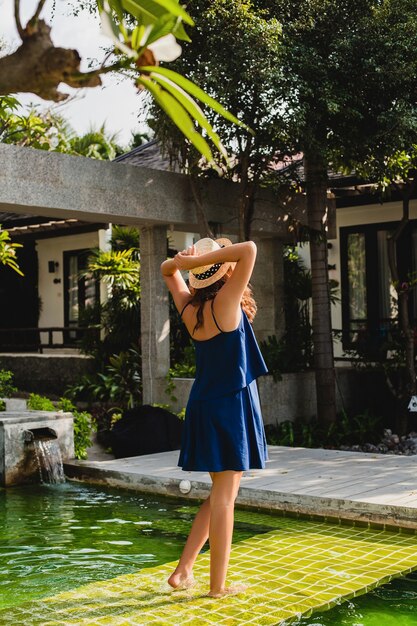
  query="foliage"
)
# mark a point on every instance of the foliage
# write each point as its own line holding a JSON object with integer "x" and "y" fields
{"x": 8, "y": 251}
{"x": 125, "y": 238}
{"x": 138, "y": 46}
{"x": 360, "y": 429}
{"x": 83, "y": 428}
{"x": 389, "y": 356}
{"x": 118, "y": 268}
{"x": 64, "y": 404}
{"x": 186, "y": 368}
{"x": 83, "y": 425}
{"x": 40, "y": 403}
{"x": 232, "y": 52}
{"x": 293, "y": 352}
{"x": 119, "y": 382}
{"x": 345, "y": 93}
{"x": 117, "y": 359}
{"x": 233, "y": 56}
{"x": 119, "y": 315}
{"x": 347, "y": 72}
{"x": 7, "y": 389}
{"x": 46, "y": 130}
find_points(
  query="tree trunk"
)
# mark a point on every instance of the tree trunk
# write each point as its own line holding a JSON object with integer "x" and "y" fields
{"x": 203, "y": 225}
{"x": 246, "y": 198}
{"x": 401, "y": 287}
{"x": 316, "y": 186}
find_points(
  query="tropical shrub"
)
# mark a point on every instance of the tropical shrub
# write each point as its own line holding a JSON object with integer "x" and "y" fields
{"x": 346, "y": 431}
{"x": 119, "y": 383}
{"x": 83, "y": 423}
{"x": 40, "y": 403}
{"x": 8, "y": 251}
{"x": 293, "y": 352}
{"x": 7, "y": 389}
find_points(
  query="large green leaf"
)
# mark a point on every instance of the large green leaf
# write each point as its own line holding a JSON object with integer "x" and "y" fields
{"x": 118, "y": 8}
{"x": 179, "y": 116}
{"x": 163, "y": 26}
{"x": 195, "y": 91}
{"x": 180, "y": 32}
{"x": 147, "y": 13}
{"x": 193, "y": 109}
{"x": 156, "y": 8}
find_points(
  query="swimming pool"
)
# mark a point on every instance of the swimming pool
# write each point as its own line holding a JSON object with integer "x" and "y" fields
{"x": 56, "y": 538}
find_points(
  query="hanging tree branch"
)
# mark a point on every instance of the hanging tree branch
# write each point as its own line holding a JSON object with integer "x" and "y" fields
{"x": 38, "y": 11}
{"x": 19, "y": 26}
{"x": 38, "y": 66}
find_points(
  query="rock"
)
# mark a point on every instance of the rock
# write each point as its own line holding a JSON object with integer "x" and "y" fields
{"x": 145, "y": 430}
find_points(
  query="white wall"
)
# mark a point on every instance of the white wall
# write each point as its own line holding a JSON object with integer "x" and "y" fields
{"x": 50, "y": 293}
{"x": 181, "y": 241}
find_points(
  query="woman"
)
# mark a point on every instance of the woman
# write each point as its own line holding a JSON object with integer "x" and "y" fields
{"x": 223, "y": 430}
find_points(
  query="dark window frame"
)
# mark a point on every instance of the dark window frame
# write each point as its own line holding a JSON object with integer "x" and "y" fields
{"x": 66, "y": 255}
{"x": 404, "y": 252}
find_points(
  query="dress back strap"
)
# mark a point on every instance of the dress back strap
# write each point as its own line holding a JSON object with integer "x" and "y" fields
{"x": 184, "y": 307}
{"x": 214, "y": 318}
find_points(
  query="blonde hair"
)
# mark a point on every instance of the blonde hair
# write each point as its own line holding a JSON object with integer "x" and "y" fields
{"x": 200, "y": 296}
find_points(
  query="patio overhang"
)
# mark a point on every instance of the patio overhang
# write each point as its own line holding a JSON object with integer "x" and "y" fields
{"x": 67, "y": 187}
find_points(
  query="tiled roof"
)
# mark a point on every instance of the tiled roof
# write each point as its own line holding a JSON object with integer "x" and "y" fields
{"x": 147, "y": 155}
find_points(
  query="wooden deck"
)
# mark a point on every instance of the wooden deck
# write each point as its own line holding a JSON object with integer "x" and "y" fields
{"x": 328, "y": 483}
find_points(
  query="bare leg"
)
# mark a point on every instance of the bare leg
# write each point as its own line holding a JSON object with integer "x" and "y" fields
{"x": 182, "y": 576}
{"x": 222, "y": 502}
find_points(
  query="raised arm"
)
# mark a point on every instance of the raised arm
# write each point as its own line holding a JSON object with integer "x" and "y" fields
{"x": 186, "y": 260}
{"x": 229, "y": 296}
{"x": 243, "y": 254}
{"x": 175, "y": 283}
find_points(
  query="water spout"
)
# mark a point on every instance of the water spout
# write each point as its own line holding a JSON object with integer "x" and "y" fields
{"x": 47, "y": 453}
{"x": 49, "y": 458}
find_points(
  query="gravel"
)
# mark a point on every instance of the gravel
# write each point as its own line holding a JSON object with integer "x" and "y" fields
{"x": 390, "y": 444}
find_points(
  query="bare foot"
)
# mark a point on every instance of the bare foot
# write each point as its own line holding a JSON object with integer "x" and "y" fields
{"x": 228, "y": 591}
{"x": 179, "y": 581}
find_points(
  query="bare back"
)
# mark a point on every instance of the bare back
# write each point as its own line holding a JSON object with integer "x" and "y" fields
{"x": 210, "y": 328}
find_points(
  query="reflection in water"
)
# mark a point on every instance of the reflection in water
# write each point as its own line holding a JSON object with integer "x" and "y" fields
{"x": 57, "y": 537}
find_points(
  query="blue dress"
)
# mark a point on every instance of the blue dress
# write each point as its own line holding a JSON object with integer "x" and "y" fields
{"x": 223, "y": 428}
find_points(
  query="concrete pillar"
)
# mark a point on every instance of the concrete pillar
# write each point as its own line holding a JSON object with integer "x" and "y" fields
{"x": 154, "y": 314}
{"x": 268, "y": 287}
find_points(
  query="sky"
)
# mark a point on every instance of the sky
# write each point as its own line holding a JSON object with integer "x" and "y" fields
{"x": 117, "y": 103}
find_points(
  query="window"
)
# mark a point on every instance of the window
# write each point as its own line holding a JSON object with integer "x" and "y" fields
{"x": 369, "y": 306}
{"x": 80, "y": 288}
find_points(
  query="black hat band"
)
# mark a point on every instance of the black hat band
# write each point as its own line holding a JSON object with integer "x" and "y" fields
{"x": 210, "y": 272}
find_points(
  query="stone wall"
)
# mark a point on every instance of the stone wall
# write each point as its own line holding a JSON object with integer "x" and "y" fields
{"x": 294, "y": 397}
{"x": 18, "y": 463}
{"x": 48, "y": 374}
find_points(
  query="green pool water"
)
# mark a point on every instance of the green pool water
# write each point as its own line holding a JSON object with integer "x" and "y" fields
{"x": 55, "y": 538}
{"x": 394, "y": 604}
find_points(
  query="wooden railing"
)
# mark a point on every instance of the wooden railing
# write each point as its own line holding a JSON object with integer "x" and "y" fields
{"x": 37, "y": 338}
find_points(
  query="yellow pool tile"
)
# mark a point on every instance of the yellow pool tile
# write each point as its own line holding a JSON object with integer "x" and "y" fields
{"x": 298, "y": 567}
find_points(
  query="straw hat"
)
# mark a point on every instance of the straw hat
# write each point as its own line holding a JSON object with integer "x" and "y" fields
{"x": 206, "y": 275}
